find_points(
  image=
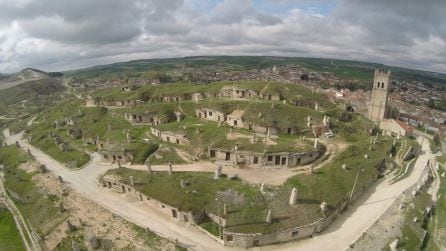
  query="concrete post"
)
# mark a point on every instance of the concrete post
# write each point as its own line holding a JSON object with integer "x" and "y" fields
{"x": 149, "y": 167}
{"x": 323, "y": 206}
{"x": 178, "y": 116}
{"x": 132, "y": 182}
{"x": 262, "y": 188}
{"x": 45, "y": 192}
{"x": 393, "y": 245}
{"x": 315, "y": 143}
{"x": 225, "y": 209}
{"x": 269, "y": 217}
{"x": 170, "y": 169}
{"x": 293, "y": 197}
{"x": 217, "y": 173}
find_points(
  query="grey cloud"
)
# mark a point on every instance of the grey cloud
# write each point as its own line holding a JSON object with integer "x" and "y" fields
{"x": 235, "y": 11}
{"x": 56, "y": 34}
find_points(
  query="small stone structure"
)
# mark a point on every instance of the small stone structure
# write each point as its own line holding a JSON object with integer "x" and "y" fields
{"x": 172, "y": 137}
{"x": 114, "y": 153}
{"x": 210, "y": 114}
{"x": 236, "y": 93}
{"x": 235, "y": 119}
{"x": 293, "y": 197}
{"x": 151, "y": 118}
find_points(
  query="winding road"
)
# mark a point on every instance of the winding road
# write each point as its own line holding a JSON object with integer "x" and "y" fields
{"x": 338, "y": 236}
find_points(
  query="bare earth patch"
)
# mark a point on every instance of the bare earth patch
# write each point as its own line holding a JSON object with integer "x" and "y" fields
{"x": 86, "y": 214}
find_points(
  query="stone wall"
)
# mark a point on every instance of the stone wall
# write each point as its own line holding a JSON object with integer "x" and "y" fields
{"x": 256, "y": 159}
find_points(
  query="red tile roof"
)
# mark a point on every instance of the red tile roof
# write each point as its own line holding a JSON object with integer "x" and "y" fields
{"x": 405, "y": 126}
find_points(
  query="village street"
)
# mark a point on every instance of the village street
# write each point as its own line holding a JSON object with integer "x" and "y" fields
{"x": 339, "y": 235}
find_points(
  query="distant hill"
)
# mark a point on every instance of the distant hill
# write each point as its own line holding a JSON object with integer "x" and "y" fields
{"x": 30, "y": 90}
{"x": 347, "y": 69}
{"x": 25, "y": 75}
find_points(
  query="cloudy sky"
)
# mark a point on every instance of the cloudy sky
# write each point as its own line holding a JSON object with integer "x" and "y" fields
{"x": 68, "y": 34}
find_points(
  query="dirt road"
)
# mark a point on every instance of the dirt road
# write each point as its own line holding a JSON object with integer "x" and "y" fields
{"x": 364, "y": 212}
{"x": 339, "y": 235}
{"x": 85, "y": 182}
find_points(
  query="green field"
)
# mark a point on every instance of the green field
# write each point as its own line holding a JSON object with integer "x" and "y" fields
{"x": 437, "y": 223}
{"x": 10, "y": 239}
{"x": 346, "y": 69}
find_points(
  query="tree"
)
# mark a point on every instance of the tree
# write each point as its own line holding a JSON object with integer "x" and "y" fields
{"x": 304, "y": 77}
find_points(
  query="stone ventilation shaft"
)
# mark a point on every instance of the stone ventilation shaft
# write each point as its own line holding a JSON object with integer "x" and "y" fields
{"x": 178, "y": 116}
{"x": 293, "y": 197}
{"x": 380, "y": 92}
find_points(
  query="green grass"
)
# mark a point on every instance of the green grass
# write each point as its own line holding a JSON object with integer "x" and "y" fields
{"x": 211, "y": 227}
{"x": 10, "y": 238}
{"x": 200, "y": 193}
{"x": 72, "y": 158}
{"x": 412, "y": 232}
{"x": 437, "y": 223}
{"x": 41, "y": 213}
{"x": 331, "y": 183}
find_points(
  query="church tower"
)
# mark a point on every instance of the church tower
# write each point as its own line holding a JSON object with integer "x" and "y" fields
{"x": 380, "y": 92}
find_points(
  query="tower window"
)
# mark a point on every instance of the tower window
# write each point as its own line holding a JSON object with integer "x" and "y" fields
{"x": 377, "y": 86}
{"x": 382, "y": 85}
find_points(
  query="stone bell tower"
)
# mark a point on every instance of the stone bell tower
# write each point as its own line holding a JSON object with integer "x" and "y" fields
{"x": 380, "y": 92}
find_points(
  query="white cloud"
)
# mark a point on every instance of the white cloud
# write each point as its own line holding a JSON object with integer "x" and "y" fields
{"x": 60, "y": 34}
